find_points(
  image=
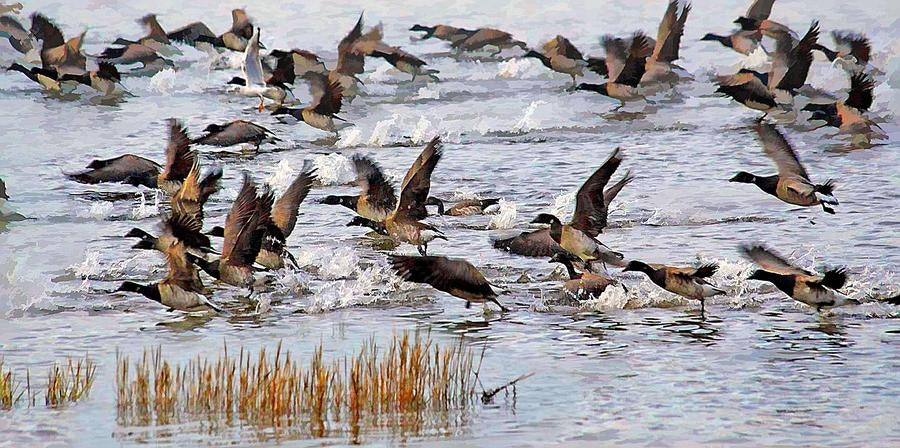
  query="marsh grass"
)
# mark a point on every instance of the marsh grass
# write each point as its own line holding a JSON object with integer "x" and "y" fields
{"x": 70, "y": 382}
{"x": 411, "y": 385}
{"x": 67, "y": 383}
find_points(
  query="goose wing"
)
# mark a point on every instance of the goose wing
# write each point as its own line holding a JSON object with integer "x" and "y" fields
{"x": 373, "y": 185}
{"x": 190, "y": 33}
{"x": 326, "y": 94}
{"x": 590, "y": 205}
{"x": 861, "y": 87}
{"x": 417, "y": 182}
{"x": 450, "y": 275}
{"x": 771, "y": 261}
{"x": 760, "y": 9}
{"x": 635, "y": 64}
{"x": 668, "y": 39}
{"x": 179, "y": 158}
{"x": 780, "y": 151}
{"x": 284, "y": 211}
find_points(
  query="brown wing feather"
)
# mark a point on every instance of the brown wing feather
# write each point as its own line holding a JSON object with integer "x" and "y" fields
{"x": 242, "y": 212}
{"x": 779, "y": 150}
{"x": 45, "y": 30}
{"x": 118, "y": 169}
{"x": 635, "y": 64}
{"x": 350, "y": 62}
{"x": 861, "y": 87}
{"x": 326, "y": 94}
{"x": 373, "y": 185}
{"x": 616, "y": 54}
{"x": 284, "y": 211}
{"x": 669, "y": 39}
{"x": 444, "y": 274}
{"x": 771, "y": 261}
{"x": 179, "y": 158}
{"x": 610, "y": 193}
{"x": 590, "y": 205}
{"x": 531, "y": 244}
{"x": 417, "y": 183}
{"x": 760, "y": 9}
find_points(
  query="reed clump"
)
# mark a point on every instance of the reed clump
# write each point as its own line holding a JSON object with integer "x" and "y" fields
{"x": 408, "y": 385}
{"x": 67, "y": 383}
{"x": 70, "y": 382}
{"x": 10, "y": 392}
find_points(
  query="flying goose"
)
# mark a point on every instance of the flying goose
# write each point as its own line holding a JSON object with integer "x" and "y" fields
{"x": 48, "y": 78}
{"x": 579, "y": 236}
{"x": 235, "y": 39}
{"x": 454, "y": 276}
{"x": 404, "y": 61}
{"x": 186, "y": 220}
{"x": 352, "y": 52}
{"x": 466, "y": 207}
{"x": 137, "y": 170}
{"x": 235, "y": 133}
{"x": 852, "y": 51}
{"x": 443, "y": 32}
{"x": 743, "y": 42}
{"x": 403, "y": 224}
{"x": 561, "y": 56}
{"x": 625, "y": 67}
{"x": 816, "y": 290}
{"x": 687, "y": 282}
{"x": 790, "y": 66}
{"x": 791, "y": 184}
{"x": 540, "y": 244}
{"x": 489, "y": 37}
{"x": 324, "y": 107}
{"x": 62, "y": 55}
{"x": 181, "y": 289}
{"x": 136, "y": 53}
{"x": 245, "y": 227}
{"x": 377, "y": 199}
{"x": 847, "y": 115}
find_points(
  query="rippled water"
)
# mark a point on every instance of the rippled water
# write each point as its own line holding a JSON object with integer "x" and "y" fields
{"x": 630, "y": 369}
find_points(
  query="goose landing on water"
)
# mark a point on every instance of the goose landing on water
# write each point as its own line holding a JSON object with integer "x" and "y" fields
{"x": 456, "y": 277}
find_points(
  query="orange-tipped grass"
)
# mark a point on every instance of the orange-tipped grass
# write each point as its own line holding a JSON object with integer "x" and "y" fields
{"x": 69, "y": 383}
{"x": 399, "y": 389}
{"x": 10, "y": 392}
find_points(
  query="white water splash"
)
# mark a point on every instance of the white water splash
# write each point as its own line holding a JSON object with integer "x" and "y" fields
{"x": 144, "y": 210}
{"x": 527, "y": 122}
{"x": 282, "y": 177}
{"x": 98, "y": 210}
{"x": 563, "y": 206}
{"x": 423, "y": 131}
{"x": 349, "y": 137}
{"x": 334, "y": 169}
{"x": 163, "y": 82}
{"x": 505, "y": 217}
{"x": 382, "y": 132}
{"x": 612, "y": 298}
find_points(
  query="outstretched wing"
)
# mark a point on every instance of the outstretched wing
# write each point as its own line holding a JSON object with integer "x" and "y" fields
{"x": 417, "y": 182}
{"x": 590, "y": 205}
{"x": 779, "y": 150}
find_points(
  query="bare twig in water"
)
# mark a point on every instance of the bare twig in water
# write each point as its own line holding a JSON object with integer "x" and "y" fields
{"x": 488, "y": 395}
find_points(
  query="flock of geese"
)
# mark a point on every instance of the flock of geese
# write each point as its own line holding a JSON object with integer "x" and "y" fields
{"x": 254, "y": 236}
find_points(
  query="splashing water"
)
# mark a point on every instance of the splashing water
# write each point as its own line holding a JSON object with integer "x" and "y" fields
{"x": 334, "y": 169}
{"x": 527, "y": 123}
{"x": 143, "y": 210}
{"x": 505, "y": 217}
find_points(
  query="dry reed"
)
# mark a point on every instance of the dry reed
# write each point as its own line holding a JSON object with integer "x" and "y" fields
{"x": 405, "y": 387}
{"x": 69, "y": 383}
{"x": 66, "y": 383}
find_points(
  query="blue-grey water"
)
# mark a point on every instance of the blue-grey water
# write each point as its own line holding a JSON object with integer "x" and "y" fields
{"x": 627, "y": 369}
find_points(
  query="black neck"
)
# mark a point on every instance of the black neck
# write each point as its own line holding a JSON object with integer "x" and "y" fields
{"x": 149, "y": 291}
{"x": 769, "y": 184}
{"x": 783, "y": 282}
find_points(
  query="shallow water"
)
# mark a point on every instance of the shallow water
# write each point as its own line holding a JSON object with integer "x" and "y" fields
{"x": 635, "y": 369}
